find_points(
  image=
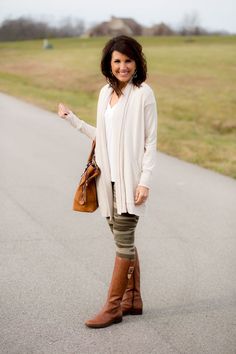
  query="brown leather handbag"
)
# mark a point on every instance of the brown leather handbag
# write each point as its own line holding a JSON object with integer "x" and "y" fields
{"x": 85, "y": 199}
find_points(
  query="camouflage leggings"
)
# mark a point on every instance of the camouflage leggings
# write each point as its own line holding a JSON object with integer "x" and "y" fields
{"x": 123, "y": 227}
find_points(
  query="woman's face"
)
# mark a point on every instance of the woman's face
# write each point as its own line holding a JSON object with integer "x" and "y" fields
{"x": 122, "y": 67}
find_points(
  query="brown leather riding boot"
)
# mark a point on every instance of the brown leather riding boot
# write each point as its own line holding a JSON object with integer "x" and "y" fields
{"x": 111, "y": 312}
{"x": 132, "y": 303}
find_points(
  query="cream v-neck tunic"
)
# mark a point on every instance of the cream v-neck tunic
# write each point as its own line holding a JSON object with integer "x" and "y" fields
{"x": 135, "y": 146}
{"x": 110, "y": 132}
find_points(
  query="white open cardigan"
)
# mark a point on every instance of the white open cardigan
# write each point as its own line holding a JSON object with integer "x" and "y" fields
{"x": 136, "y": 137}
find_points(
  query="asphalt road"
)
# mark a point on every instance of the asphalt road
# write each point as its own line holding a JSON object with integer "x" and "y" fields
{"x": 55, "y": 264}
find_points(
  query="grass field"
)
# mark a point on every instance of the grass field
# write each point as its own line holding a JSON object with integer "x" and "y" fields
{"x": 194, "y": 80}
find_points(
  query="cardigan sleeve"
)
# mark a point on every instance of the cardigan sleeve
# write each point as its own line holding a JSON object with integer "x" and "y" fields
{"x": 80, "y": 125}
{"x": 149, "y": 157}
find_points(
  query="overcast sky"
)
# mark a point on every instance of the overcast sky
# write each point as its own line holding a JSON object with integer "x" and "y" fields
{"x": 212, "y": 14}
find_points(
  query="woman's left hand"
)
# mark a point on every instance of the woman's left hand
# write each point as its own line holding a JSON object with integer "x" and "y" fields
{"x": 141, "y": 195}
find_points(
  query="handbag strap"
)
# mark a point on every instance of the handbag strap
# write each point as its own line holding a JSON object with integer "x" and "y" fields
{"x": 92, "y": 153}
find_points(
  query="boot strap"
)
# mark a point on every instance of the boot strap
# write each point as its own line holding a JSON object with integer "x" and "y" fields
{"x": 130, "y": 272}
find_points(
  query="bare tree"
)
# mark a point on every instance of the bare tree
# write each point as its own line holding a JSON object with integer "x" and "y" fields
{"x": 71, "y": 27}
{"x": 191, "y": 24}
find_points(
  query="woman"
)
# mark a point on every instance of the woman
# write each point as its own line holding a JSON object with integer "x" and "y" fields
{"x": 125, "y": 152}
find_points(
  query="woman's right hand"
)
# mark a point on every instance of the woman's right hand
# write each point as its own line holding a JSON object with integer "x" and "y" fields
{"x": 63, "y": 111}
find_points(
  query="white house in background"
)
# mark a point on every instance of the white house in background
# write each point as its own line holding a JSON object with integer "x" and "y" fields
{"x": 115, "y": 27}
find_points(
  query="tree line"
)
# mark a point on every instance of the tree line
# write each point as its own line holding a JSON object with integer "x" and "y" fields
{"x": 25, "y": 28}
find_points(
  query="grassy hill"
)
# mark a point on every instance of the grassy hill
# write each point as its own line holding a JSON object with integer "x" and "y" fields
{"x": 194, "y": 80}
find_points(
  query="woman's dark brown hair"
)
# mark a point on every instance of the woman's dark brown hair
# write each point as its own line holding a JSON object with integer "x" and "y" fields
{"x": 127, "y": 46}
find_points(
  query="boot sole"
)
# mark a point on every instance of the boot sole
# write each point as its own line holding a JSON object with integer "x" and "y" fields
{"x": 133, "y": 312}
{"x": 103, "y": 325}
